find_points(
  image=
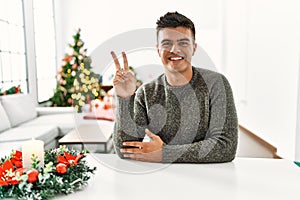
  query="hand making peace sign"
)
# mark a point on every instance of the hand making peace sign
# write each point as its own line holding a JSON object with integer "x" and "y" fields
{"x": 124, "y": 81}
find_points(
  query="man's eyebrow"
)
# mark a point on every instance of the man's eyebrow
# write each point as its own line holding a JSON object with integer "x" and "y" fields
{"x": 180, "y": 40}
{"x": 183, "y": 39}
{"x": 165, "y": 40}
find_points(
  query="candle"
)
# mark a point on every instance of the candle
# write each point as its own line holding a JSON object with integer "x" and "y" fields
{"x": 32, "y": 147}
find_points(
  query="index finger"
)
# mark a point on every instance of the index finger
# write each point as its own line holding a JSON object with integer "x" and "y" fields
{"x": 116, "y": 61}
{"x": 132, "y": 144}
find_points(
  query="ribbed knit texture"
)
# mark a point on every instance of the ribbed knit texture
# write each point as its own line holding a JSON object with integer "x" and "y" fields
{"x": 197, "y": 122}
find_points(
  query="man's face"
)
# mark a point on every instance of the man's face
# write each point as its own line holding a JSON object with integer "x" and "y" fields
{"x": 176, "y": 47}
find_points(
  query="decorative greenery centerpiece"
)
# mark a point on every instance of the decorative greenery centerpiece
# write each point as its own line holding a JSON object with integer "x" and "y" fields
{"x": 64, "y": 172}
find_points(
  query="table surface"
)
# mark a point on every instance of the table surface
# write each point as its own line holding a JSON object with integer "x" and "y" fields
{"x": 244, "y": 178}
{"x": 7, "y": 147}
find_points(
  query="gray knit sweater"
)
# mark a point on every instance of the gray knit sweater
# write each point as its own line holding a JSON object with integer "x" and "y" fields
{"x": 197, "y": 122}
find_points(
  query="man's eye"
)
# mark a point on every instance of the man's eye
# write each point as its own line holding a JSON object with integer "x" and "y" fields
{"x": 166, "y": 44}
{"x": 184, "y": 43}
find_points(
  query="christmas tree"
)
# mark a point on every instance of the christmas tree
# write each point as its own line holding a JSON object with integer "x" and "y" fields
{"x": 77, "y": 85}
{"x": 86, "y": 85}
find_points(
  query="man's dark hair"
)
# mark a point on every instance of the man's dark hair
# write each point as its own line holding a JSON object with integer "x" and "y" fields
{"x": 175, "y": 19}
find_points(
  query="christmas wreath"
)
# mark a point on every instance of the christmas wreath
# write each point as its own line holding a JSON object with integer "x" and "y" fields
{"x": 64, "y": 172}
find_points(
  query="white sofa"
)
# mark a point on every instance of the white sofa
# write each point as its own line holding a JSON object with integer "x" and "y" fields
{"x": 21, "y": 120}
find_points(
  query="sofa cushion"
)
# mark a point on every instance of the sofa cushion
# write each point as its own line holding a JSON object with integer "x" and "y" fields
{"x": 64, "y": 122}
{"x": 19, "y": 108}
{"x": 4, "y": 121}
{"x": 19, "y": 134}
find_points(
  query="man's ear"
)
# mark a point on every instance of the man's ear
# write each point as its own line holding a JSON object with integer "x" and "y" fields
{"x": 195, "y": 48}
{"x": 158, "y": 50}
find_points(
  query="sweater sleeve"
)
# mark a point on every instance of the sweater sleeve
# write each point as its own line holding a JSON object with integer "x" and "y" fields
{"x": 220, "y": 142}
{"x": 126, "y": 127}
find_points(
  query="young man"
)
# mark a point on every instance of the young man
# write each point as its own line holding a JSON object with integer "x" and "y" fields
{"x": 187, "y": 112}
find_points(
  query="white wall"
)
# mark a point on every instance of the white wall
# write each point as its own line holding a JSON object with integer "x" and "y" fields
{"x": 100, "y": 20}
{"x": 262, "y": 61}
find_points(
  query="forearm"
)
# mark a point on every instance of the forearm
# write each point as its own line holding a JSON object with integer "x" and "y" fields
{"x": 212, "y": 150}
{"x": 125, "y": 128}
{"x": 119, "y": 137}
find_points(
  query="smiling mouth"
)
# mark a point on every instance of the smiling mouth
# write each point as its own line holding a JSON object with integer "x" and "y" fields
{"x": 176, "y": 58}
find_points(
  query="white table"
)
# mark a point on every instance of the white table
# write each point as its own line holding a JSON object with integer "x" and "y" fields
{"x": 93, "y": 135}
{"x": 84, "y": 134}
{"x": 7, "y": 147}
{"x": 242, "y": 179}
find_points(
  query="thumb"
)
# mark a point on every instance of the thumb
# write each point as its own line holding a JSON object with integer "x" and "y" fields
{"x": 150, "y": 134}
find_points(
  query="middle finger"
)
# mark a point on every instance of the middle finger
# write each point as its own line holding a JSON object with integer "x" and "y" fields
{"x": 126, "y": 67}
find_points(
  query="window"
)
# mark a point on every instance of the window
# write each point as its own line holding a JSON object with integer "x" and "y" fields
{"x": 45, "y": 48}
{"x": 12, "y": 46}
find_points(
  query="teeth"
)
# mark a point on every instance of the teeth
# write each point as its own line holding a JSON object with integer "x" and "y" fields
{"x": 176, "y": 58}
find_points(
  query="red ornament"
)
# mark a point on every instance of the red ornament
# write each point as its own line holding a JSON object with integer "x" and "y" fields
{"x": 61, "y": 168}
{"x": 79, "y": 43}
{"x": 74, "y": 66}
{"x": 70, "y": 101}
{"x": 32, "y": 175}
{"x": 67, "y": 58}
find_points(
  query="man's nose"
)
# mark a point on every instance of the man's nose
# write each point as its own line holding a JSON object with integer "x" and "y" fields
{"x": 175, "y": 48}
